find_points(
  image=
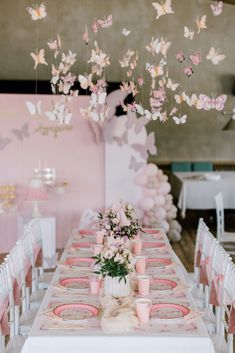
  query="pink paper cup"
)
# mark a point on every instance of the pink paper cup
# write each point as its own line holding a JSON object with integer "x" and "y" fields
{"x": 137, "y": 246}
{"x": 143, "y": 308}
{"x": 97, "y": 248}
{"x": 140, "y": 264}
{"x": 144, "y": 284}
{"x": 99, "y": 238}
{"x": 95, "y": 284}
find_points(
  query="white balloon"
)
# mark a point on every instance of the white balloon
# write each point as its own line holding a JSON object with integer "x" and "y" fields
{"x": 151, "y": 169}
{"x": 146, "y": 203}
{"x": 159, "y": 200}
{"x": 150, "y": 192}
{"x": 141, "y": 179}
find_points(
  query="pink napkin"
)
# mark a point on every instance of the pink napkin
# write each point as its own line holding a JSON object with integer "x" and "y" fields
{"x": 216, "y": 292}
{"x": 198, "y": 257}
{"x": 205, "y": 269}
{"x": 231, "y": 321}
{"x": 4, "y": 318}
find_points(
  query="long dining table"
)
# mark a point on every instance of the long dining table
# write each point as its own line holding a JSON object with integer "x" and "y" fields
{"x": 51, "y": 334}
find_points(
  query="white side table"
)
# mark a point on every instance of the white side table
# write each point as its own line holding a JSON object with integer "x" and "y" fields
{"x": 48, "y": 229}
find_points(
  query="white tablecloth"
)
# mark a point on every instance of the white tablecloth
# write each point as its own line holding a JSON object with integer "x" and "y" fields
{"x": 196, "y": 194}
{"x": 157, "y": 337}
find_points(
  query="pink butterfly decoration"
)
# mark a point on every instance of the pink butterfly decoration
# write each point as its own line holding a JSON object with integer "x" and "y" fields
{"x": 209, "y": 103}
{"x": 85, "y": 36}
{"x": 95, "y": 27}
{"x": 188, "y": 71}
{"x": 149, "y": 146}
{"x": 140, "y": 81}
{"x": 180, "y": 56}
{"x": 217, "y": 8}
{"x": 105, "y": 23}
{"x": 195, "y": 58}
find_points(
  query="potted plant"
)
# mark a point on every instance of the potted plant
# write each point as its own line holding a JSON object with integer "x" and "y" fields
{"x": 114, "y": 264}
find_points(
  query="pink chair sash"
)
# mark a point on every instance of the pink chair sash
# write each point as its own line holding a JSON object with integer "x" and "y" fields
{"x": 4, "y": 318}
{"x": 198, "y": 257}
{"x": 216, "y": 291}
{"x": 231, "y": 321}
{"x": 16, "y": 292}
{"x": 205, "y": 268}
{"x": 28, "y": 271}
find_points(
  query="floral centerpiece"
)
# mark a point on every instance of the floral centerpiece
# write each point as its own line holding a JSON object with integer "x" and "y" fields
{"x": 114, "y": 264}
{"x": 119, "y": 222}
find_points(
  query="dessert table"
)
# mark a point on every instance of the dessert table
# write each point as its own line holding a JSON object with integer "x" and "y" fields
{"x": 196, "y": 190}
{"x": 51, "y": 334}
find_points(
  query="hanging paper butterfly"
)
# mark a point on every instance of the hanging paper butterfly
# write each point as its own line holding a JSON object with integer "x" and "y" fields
{"x": 180, "y": 98}
{"x": 39, "y": 57}
{"x": 121, "y": 140}
{"x": 37, "y": 12}
{"x": 125, "y": 32}
{"x": 213, "y": 102}
{"x": 180, "y": 120}
{"x": 214, "y": 56}
{"x": 85, "y": 80}
{"x": 217, "y": 8}
{"x": 149, "y": 146}
{"x": 85, "y": 36}
{"x": 194, "y": 101}
{"x": 163, "y": 8}
{"x": 180, "y": 56}
{"x": 195, "y": 58}
{"x": 105, "y": 23}
{"x": 188, "y": 33}
{"x": 201, "y": 23}
{"x": 188, "y": 71}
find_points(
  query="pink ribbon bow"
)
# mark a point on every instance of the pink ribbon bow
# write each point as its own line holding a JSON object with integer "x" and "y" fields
{"x": 216, "y": 292}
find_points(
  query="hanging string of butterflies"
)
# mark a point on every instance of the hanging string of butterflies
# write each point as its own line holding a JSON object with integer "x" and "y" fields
{"x": 162, "y": 86}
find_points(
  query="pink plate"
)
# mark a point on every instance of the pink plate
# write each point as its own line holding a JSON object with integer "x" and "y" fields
{"x": 169, "y": 311}
{"x": 80, "y": 261}
{"x": 75, "y": 311}
{"x": 156, "y": 245}
{"x": 159, "y": 262}
{"x": 87, "y": 232}
{"x": 162, "y": 284}
{"x": 82, "y": 245}
{"x": 75, "y": 282}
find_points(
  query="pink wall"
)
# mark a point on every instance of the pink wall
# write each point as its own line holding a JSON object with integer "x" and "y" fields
{"x": 74, "y": 154}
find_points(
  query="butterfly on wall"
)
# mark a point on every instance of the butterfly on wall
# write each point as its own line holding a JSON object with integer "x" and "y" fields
{"x": 134, "y": 165}
{"x": 85, "y": 80}
{"x": 137, "y": 123}
{"x": 163, "y": 9}
{"x": 214, "y": 56}
{"x": 105, "y": 22}
{"x": 188, "y": 70}
{"x": 217, "y": 8}
{"x": 180, "y": 56}
{"x": 4, "y": 141}
{"x": 37, "y": 12}
{"x": 122, "y": 140}
{"x": 21, "y": 133}
{"x": 196, "y": 58}
{"x": 213, "y": 102}
{"x": 126, "y": 32}
{"x": 39, "y": 57}
{"x": 149, "y": 146}
{"x": 34, "y": 109}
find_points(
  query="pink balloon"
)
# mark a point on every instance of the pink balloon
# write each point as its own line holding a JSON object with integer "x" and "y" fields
{"x": 165, "y": 188}
{"x": 150, "y": 192}
{"x": 159, "y": 200}
{"x": 165, "y": 226}
{"x": 146, "y": 203}
{"x": 151, "y": 169}
{"x": 141, "y": 179}
{"x": 160, "y": 214}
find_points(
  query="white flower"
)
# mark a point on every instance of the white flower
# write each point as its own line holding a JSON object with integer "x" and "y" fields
{"x": 115, "y": 220}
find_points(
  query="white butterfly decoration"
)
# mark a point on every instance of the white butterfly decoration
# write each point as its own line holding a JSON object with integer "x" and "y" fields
{"x": 126, "y": 32}
{"x": 99, "y": 59}
{"x": 194, "y": 101}
{"x": 214, "y": 56}
{"x": 98, "y": 98}
{"x": 180, "y": 120}
{"x": 147, "y": 114}
{"x": 105, "y": 22}
{"x": 21, "y": 133}
{"x": 100, "y": 115}
{"x": 172, "y": 85}
{"x": 34, "y": 109}
{"x": 85, "y": 80}
{"x": 163, "y": 8}
{"x": 201, "y": 23}
{"x": 55, "y": 45}
{"x": 173, "y": 111}
{"x": 180, "y": 98}
{"x": 37, "y": 12}
{"x": 121, "y": 140}
{"x": 188, "y": 33}
{"x": 138, "y": 123}
{"x": 39, "y": 57}
{"x": 157, "y": 46}
{"x": 60, "y": 113}
{"x": 217, "y": 8}
{"x": 149, "y": 146}
{"x": 213, "y": 102}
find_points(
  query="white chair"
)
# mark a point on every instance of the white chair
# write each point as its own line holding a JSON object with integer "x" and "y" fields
{"x": 15, "y": 342}
{"x": 223, "y": 236}
{"x": 223, "y": 341}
